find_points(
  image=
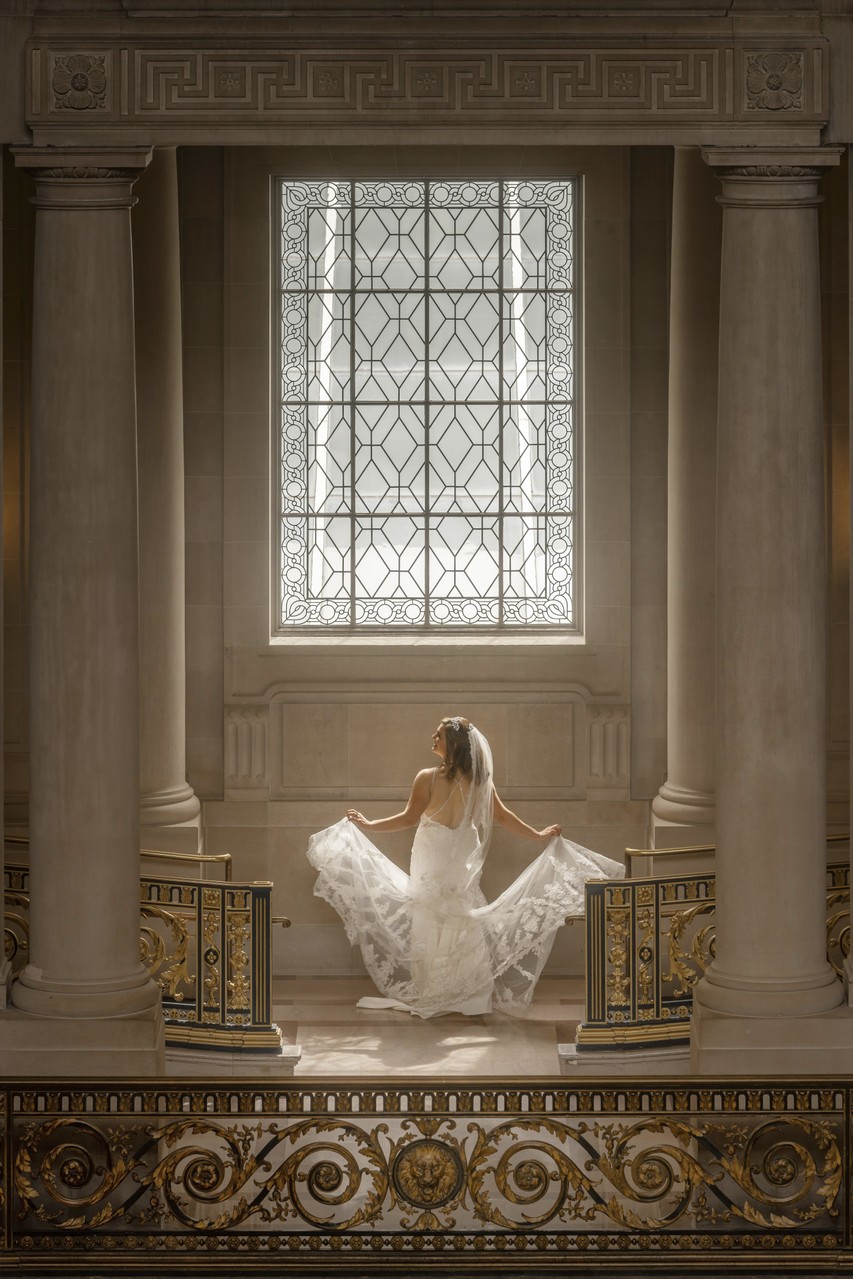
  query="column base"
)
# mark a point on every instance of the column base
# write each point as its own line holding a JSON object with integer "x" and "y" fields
{"x": 679, "y": 806}
{"x": 758, "y": 1046}
{"x": 810, "y": 995}
{"x": 56, "y": 1000}
{"x": 179, "y": 806}
{"x": 82, "y": 1047}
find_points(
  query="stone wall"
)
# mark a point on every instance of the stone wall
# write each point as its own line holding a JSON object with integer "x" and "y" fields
{"x": 310, "y": 725}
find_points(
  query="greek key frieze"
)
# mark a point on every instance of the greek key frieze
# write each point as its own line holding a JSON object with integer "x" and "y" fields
{"x": 197, "y": 85}
{"x": 479, "y": 84}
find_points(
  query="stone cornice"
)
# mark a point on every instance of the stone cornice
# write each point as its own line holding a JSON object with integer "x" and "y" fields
{"x": 187, "y": 85}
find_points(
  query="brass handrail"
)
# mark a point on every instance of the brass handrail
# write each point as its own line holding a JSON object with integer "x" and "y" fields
{"x": 212, "y": 858}
{"x": 190, "y": 857}
{"x": 670, "y": 852}
{"x": 692, "y": 849}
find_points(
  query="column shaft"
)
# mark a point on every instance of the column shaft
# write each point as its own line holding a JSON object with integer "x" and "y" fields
{"x": 84, "y": 914}
{"x": 686, "y": 799}
{"x": 771, "y": 607}
{"x": 166, "y": 798}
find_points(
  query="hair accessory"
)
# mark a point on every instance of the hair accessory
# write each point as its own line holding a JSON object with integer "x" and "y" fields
{"x": 455, "y": 723}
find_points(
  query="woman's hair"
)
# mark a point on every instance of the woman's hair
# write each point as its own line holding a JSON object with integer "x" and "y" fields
{"x": 457, "y": 748}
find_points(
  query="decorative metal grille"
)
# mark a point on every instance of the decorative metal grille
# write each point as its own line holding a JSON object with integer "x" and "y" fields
{"x": 427, "y": 402}
{"x": 376, "y": 1178}
{"x": 208, "y": 945}
{"x": 648, "y": 942}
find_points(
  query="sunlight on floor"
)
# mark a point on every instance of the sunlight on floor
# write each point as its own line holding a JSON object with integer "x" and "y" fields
{"x": 337, "y": 1038}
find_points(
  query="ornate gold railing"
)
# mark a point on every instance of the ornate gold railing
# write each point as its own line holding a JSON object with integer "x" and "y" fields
{"x": 235, "y": 1177}
{"x": 648, "y": 941}
{"x": 208, "y": 944}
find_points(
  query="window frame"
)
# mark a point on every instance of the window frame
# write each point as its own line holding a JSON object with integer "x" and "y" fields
{"x": 397, "y": 633}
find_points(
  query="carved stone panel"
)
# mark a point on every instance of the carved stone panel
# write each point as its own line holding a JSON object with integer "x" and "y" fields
{"x": 509, "y": 79}
{"x": 609, "y": 746}
{"x": 246, "y": 732}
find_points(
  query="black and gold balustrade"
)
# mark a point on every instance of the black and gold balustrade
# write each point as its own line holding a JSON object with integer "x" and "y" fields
{"x": 209, "y": 946}
{"x": 648, "y": 941}
{"x": 242, "y": 1178}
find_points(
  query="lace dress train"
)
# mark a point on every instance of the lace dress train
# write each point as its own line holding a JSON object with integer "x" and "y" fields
{"x": 430, "y": 941}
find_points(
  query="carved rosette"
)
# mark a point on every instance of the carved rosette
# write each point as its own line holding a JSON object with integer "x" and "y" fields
{"x": 79, "y": 82}
{"x": 774, "y": 81}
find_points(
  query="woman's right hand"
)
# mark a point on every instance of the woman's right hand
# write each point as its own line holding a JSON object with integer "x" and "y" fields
{"x": 550, "y": 832}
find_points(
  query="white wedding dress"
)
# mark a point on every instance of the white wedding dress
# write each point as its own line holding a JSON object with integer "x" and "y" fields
{"x": 430, "y": 941}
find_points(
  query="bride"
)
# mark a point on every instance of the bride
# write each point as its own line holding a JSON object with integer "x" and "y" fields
{"x": 429, "y": 939}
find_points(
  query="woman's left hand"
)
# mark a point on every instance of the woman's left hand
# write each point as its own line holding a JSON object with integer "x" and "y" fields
{"x": 355, "y": 816}
{"x": 550, "y": 832}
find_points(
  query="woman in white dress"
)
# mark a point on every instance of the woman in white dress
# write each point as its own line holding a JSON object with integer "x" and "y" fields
{"x": 430, "y": 941}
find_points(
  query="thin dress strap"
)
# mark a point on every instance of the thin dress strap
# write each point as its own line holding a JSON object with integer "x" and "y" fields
{"x": 432, "y": 816}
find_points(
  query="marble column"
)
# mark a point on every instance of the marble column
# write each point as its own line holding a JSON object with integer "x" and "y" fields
{"x": 96, "y": 1006}
{"x": 683, "y": 811}
{"x": 169, "y": 809}
{"x": 759, "y": 1005}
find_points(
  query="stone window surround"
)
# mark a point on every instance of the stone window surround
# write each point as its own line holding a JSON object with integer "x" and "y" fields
{"x": 605, "y": 409}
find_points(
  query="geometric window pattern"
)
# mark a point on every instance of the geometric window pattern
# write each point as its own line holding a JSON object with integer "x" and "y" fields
{"x": 427, "y": 393}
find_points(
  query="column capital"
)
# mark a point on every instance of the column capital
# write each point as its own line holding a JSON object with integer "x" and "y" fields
{"x": 83, "y": 177}
{"x": 771, "y": 176}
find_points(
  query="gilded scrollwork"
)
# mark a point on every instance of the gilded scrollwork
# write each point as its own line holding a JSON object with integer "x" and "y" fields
{"x": 17, "y": 929}
{"x": 838, "y": 927}
{"x": 618, "y": 935}
{"x": 212, "y": 951}
{"x": 650, "y": 941}
{"x": 747, "y": 1166}
{"x": 239, "y": 980}
{"x": 166, "y": 960}
{"x": 646, "y": 949}
{"x": 687, "y": 966}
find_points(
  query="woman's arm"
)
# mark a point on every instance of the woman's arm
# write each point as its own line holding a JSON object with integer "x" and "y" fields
{"x": 512, "y": 822}
{"x": 411, "y": 814}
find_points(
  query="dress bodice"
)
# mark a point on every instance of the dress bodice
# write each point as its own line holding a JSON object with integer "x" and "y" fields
{"x": 442, "y": 864}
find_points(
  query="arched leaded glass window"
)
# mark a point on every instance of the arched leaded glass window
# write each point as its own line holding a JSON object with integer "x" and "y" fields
{"x": 427, "y": 392}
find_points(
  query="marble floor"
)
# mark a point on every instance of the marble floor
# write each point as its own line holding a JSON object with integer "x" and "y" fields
{"x": 337, "y": 1038}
